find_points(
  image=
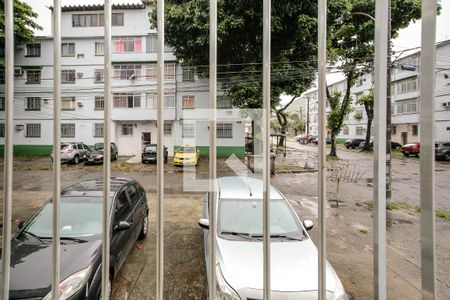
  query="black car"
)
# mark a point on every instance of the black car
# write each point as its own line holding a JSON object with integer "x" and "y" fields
{"x": 316, "y": 141}
{"x": 394, "y": 145}
{"x": 353, "y": 143}
{"x": 95, "y": 154}
{"x": 311, "y": 138}
{"x": 81, "y": 240}
{"x": 442, "y": 150}
{"x": 149, "y": 154}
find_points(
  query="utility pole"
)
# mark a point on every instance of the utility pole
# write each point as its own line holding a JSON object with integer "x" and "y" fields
{"x": 388, "y": 112}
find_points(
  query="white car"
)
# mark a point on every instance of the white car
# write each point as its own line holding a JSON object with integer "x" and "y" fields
{"x": 239, "y": 245}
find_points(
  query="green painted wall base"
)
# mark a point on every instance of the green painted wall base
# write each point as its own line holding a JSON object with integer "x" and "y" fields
{"x": 222, "y": 151}
{"x": 29, "y": 150}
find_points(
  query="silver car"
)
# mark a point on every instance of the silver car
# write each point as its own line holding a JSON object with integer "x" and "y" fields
{"x": 239, "y": 236}
{"x": 73, "y": 152}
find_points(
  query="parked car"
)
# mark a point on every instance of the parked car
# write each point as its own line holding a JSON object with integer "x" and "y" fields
{"x": 442, "y": 150}
{"x": 95, "y": 154}
{"x": 316, "y": 141}
{"x": 186, "y": 155}
{"x": 311, "y": 138}
{"x": 302, "y": 138}
{"x": 394, "y": 145}
{"x": 149, "y": 154}
{"x": 239, "y": 238}
{"x": 353, "y": 143}
{"x": 411, "y": 149}
{"x": 73, "y": 152}
{"x": 81, "y": 240}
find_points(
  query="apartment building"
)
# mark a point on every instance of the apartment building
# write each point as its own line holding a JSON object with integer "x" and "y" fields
{"x": 405, "y": 100}
{"x": 134, "y": 83}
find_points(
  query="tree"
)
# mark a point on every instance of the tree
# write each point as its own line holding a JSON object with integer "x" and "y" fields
{"x": 296, "y": 122}
{"x": 24, "y": 23}
{"x": 367, "y": 101}
{"x": 352, "y": 47}
{"x": 293, "y": 46}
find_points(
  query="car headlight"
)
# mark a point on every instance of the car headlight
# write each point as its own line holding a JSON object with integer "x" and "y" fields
{"x": 100, "y": 156}
{"x": 224, "y": 291}
{"x": 339, "y": 292}
{"x": 72, "y": 284}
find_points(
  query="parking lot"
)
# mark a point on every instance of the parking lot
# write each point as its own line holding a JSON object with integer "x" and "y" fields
{"x": 349, "y": 235}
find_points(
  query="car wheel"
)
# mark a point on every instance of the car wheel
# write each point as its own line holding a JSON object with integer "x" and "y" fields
{"x": 447, "y": 156}
{"x": 144, "y": 228}
{"x": 405, "y": 154}
{"x": 116, "y": 156}
{"x": 166, "y": 159}
{"x": 76, "y": 160}
{"x": 417, "y": 155}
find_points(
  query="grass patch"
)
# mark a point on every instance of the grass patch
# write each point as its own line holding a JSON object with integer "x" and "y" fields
{"x": 442, "y": 214}
{"x": 363, "y": 230}
{"x": 401, "y": 205}
{"x": 332, "y": 158}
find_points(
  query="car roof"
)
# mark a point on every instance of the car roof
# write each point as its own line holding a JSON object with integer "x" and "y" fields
{"x": 94, "y": 187}
{"x": 237, "y": 187}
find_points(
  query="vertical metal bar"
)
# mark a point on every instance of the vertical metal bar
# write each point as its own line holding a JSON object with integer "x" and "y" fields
{"x": 212, "y": 144}
{"x": 322, "y": 193}
{"x": 379, "y": 188}
{"x": 56, "y": 147}
{"x": 427, "y": 195}
{"x": 266, "y": 146}
{"x": 106, "y": 152}
{"x": 160, "y": 157}
{"x": 8, "y": 171}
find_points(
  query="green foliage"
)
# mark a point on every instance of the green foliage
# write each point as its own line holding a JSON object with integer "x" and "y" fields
{"x": 24, "y": 22}
{"x": 338, "y": 110}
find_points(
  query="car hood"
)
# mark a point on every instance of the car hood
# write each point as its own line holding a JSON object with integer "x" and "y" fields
{"x": 31, "y": 264}
{"x": 185, "y": 155}
{"x": 293, "y": 265}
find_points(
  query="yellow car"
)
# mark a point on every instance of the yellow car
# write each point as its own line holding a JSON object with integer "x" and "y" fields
{"x": 186, "y": 155}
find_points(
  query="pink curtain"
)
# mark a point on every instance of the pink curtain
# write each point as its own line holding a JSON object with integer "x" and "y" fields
{"x": 119, "y": 45}
{"x": 137, "y": 44}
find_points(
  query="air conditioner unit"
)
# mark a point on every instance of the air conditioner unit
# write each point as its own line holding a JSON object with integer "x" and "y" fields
{"x": 79, "y": 75}
{"x": 46, "y": 100}
{"x": 20, "y": 127}
{"x": 80, "y": 104}
{"x": 18, "y": 72}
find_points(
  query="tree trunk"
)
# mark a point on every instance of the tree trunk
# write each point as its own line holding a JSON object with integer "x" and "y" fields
{"x": 333, "y": 152}
{"x": 283, "y": 126}
{"x": 367, "y": 142}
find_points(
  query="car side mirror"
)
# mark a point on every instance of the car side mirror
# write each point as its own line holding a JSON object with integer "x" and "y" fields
{"x": 21, "y": 224}
{"x": 204, "y": 223}
{"x": 123, "y": 225}
{"x": 308, "y": 224}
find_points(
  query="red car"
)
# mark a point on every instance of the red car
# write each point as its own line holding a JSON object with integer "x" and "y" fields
{"x": 411, "y": 149}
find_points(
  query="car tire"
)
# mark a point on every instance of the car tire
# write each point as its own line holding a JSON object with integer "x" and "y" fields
{"x": 76, "y": 160}
{"x": 447, "y": 156}
{"x": 116, "y": 156}
{"x": 166, "y": 159}
{"x": 144, "y": 228}
{"x": 405, "y": 154}
{"x": 417, "y": 155}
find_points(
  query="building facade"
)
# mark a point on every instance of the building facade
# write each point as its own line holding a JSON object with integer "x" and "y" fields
{"x": 134, "y": 83}
{"x": 405, "y": 100}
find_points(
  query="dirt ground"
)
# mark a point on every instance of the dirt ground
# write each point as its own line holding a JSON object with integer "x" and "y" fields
{"x": 349, "y": 226}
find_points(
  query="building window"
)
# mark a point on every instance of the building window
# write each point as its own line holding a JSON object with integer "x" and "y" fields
{"x": 127, "y": 72}
{"x": 127, "y": 129}
{"x": 407, "y": 85}
{"x": 223, "y": 101}
{"x": 359, "y": 114}
{"x": 169, "y": 71}
{"x": 95, "y": 20}
{"x": 169, "y": 100}
{"x": 359, "y": 130}
{"x": 415, "y": 130}
{"x": 188, "y": 102}
{"x": 360, "y": 81}
{"x": 99, "y": 75}
{"x": 67, "y": 76}
{"x": 99, "y": 103}
{"x": 188, "y": 74}
{"x": 33, "y": 103}
{"x": 167, "y": 128}
{"x": 188, "y": 131}
{"x": 152, "y": 72}
{"x": 224, "y": 130}
{"x": 2, "y": 75}
{"x": 98, "y": 130}
{"x": 34, "y": 76}
{"x": 33, "y": 50}
{"x": 33, "y": 130}
{"x": 2, "y": 129}
{"x": 68, "y": 49}
{"x": 127, "y": 100}
{"x": 127, "y": 44}
{"x": 345, "y": 130}
{"x": 152, "y": 100}
{"x": 394, "y": 130}
{"x": 68, "y": 103}
{"x": 68, "y": 130}
{"x": 2, "y": 103}
{"x": 407, "y": 106}
{"x": 152, "y": 43}
{"x": 99, "y": 48}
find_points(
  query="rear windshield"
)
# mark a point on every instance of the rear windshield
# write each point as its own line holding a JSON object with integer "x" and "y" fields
{"x": 150, "y": 149}
{"x": 65, "y": 146}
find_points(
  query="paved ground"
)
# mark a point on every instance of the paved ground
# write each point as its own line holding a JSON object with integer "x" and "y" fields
{"x": 349, "y": 226}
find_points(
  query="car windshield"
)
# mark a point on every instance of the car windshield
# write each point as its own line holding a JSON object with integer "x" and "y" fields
{"x": 80, "y": 217}
{"x": 98, "y": 146}
{"x": 64, "y": 146}
{"x": 246, "y": 217}
{"x": 150, "y": 149}
{"x": 186, "y": 150}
